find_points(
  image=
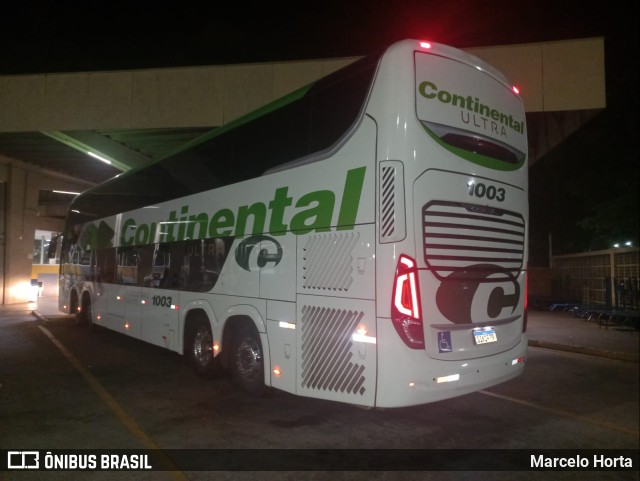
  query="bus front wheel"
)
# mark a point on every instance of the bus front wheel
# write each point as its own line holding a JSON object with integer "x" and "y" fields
{"x": 247, "y": 361}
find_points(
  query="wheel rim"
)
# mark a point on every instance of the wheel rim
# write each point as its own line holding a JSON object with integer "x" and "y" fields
{"x": 202, "y": 346}
{"x": 249, "y": 359}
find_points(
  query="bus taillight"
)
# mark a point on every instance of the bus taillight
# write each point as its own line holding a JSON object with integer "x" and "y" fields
{"x": 405, "y": 305}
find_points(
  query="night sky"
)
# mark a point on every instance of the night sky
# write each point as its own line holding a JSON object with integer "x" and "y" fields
{"x": 584, "y": 193}
{"x": 72, "y": 35}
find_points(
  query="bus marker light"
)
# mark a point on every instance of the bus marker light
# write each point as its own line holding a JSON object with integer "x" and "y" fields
{"x": 276, "y": 371}
{"x": 449, "y": 378}
{"x": 98, "y": 317}
{"x": 216, "y": 348}
{"x": 362, "y": 338}
{"x": 515, "y": 89}
{"x": 143, "y": 301}
{"x": 361, "y": 335}
{"x": 118, "y": 298}
{"x": 425, "y": 44}
{"x": 286, "y": 325}
{"x": 518, "y": 360}
{"x": 126, "y": 325}
{"x": 175, "y": 307}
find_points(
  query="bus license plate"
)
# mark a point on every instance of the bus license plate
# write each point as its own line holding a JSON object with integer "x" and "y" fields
{"x": 484, "y": 336}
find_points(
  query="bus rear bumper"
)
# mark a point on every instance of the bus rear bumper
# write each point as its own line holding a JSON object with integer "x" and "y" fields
{"x": 408, "y": 377}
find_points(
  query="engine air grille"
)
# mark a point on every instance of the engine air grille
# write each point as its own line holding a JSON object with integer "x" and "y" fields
{"x": 327, "y": 363}
{"x": 328, "y": 261}
{"x": 388, "y": 204}
{"x": 469, "y": 237}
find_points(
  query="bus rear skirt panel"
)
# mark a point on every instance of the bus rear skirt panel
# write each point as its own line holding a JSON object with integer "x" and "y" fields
{"x": 336, "y": 349}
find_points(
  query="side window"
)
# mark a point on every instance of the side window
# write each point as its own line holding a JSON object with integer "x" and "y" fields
{"x": 84, "y": 257}
{"x": 145, "y": 261}
{"x": 106, "y": 265}
{"x": 134, "y": 265}
{"x": 191, "y": 265}
{"x": 203, "y": 262}
{"x": 311, "y": 121}
{"x": 337, "y": 103}
{"x": 167, "y": 264}
{"x": 128, "y": 266}
{"x": 127, "y": 269}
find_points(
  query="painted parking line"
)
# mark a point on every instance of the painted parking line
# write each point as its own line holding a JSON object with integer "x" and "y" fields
{"x": 566, "y": 414}
{"x": 128, "y": 422}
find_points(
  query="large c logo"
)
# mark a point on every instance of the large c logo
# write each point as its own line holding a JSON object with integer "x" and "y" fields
{"x": 245, "y": 249}
{"x": 458, "y": 293}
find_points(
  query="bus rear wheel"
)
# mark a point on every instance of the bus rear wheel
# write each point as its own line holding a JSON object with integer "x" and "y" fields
{"x": 200, "y": 349}
{"x": 85, "y": 315}
{"x": 247, "y": 361}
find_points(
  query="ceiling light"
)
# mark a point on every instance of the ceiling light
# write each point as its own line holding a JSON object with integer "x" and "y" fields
{"x": 65, "y": 192}
{"x": 106, "y": 161}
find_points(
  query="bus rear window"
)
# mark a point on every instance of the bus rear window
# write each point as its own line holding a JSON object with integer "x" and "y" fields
{"x": 470, "y": 110}
{"x": 480, "y": 146}
{"x": 475, "y": 147}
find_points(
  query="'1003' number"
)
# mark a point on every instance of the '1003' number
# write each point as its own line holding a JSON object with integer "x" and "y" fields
{"x": 162, "y": 301}
{"x": 491, "y": 192}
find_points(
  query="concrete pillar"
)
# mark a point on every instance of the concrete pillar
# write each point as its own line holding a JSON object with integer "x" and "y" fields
{"x": 20, "y": 210}
{"x": 21, "y": 216}
{"x": 3, "y": 232}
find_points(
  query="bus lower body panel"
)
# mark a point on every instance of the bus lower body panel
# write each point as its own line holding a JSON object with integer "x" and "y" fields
{"x": 408, "y": 377}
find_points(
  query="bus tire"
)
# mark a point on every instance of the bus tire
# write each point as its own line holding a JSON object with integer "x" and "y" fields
{"x": 85, "y": 315}
{"x": 247, "y": 361}
{"x": 199, "y": 349}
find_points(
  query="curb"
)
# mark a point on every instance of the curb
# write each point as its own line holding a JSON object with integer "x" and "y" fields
{"x": 591, "y": 351}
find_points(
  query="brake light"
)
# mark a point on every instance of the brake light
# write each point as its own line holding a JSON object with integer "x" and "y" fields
{"x": 405, "y": 304}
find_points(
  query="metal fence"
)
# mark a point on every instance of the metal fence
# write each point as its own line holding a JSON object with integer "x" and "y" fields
{"x": 608, "y": 278}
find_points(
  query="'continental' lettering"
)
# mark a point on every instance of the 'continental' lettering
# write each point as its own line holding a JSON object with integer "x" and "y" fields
{"x": 314, "y": 211}
{"x": 430, "y": 91}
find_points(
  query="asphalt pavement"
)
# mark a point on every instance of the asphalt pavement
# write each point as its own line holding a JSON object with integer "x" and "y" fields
{"x": 557, "y": 330}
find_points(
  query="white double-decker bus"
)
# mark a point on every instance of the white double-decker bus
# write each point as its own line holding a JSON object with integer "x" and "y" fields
{"x": 362, "y": 240}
